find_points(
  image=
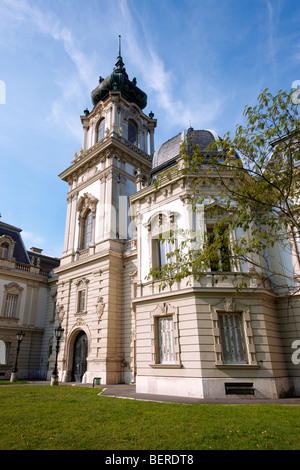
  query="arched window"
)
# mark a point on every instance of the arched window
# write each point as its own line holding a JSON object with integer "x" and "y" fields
{"x": 100, "y": 130}
{"x": 132, "y": 132}
{"x": 86, "y": 208}
{"x": 86, "y": 230}
{"x": 80, "y": 356}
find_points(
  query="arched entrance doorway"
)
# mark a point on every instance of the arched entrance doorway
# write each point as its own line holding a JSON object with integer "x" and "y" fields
{"x": 79, "y": 357}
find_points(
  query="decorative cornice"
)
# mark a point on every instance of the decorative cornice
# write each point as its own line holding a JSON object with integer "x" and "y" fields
{"x": 109, "y": 144}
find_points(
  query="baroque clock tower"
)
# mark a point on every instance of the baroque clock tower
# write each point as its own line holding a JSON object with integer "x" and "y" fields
{"x": 98, "y": 263}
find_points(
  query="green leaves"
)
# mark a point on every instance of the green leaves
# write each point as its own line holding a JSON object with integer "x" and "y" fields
{"x": 254, "y": 181}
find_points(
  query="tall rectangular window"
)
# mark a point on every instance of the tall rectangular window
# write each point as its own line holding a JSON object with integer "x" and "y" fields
{"x": 101, "y": 129}
{"x": 4, "y": 352}
{"x": 132, "y": 132}
{"x": 220, "y": 260}
{"x": 81, "y": 301}
{"x": 11, "y": 304}
{"x": 166, "y": 340}
{"x": 160, "y": 249}
{"x": 232, "y": 339}
{"x": 87, "y": 230}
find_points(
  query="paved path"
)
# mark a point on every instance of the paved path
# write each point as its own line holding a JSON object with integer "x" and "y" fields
{"x": 129, "y": 392}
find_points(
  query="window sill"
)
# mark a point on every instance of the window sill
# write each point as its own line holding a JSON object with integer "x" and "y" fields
{"x": 166, "y": 366}
{"x": 237, "y": 366}
{"x": 9, "y": 319}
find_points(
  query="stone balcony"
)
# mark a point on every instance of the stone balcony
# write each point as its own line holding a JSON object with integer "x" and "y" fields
{"x": 24, "y": 268}
{"x": 235, "y": 281}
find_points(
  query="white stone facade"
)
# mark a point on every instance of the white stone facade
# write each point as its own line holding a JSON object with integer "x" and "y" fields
{"x": 195, "y": 339}
{"x": 172, "y": 341}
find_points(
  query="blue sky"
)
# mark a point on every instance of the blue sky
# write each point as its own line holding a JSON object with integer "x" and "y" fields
{"x": 199, "y": 61}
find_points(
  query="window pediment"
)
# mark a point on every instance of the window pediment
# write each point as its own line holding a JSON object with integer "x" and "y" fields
{"x": 85, "y": 203}
{"x": 161, "y": 223}
{"x": 83, "y": 282}
{"x": 13, "y": 288}
{"x": 214, "y": 209}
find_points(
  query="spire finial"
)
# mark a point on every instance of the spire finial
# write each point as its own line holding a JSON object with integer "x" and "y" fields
{"x": 120, "y": 63}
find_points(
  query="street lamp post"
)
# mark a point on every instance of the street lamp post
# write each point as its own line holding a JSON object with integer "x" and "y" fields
{"x": 14, "y": 373}
{"x": 58, "y": 334}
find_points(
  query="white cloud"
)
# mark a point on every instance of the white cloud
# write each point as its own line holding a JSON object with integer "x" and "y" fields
{"x": 160, "y": 80}
{"x": 156, "y": 77}
{"x": 77, "y": 82}
{"x": 32, "y": 239}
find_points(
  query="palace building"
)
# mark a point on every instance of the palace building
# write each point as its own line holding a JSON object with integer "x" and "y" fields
{"x": 196, "y": 339}
{"x": 27, "y": 304}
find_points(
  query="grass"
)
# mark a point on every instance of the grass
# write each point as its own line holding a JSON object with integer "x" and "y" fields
{"x": 41, "y": 417}
{"x": 8, "y": 382}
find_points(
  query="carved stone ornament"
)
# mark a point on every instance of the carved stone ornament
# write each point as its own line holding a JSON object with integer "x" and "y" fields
{"x": 228, "y": 305}
{"x": 60, "y": 312}
{"x": 79, "y": 322}
{"x": 13, "y": 288}
{"x": 90, "y": 173}
{"x": 87, "y": 201}
{"x": 100, "y": 307}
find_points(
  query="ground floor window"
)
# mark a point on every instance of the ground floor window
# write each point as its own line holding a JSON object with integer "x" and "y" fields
{"x": 4, "y": 352}
{"x": 164, "y": 335}
{"x": 166, "y": 340}
{"x": 232, "y": 338}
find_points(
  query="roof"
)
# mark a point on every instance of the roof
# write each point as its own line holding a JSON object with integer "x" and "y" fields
{"x": 46, "y": 262}
{"x": 118, "y": 81}
{"x": 20, "y": 253}
{"x": 168, "y": 151}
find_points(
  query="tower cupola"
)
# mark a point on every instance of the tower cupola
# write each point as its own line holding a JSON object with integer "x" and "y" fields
{"x": 118, "y": 80}
{"x": 117, "y": 113}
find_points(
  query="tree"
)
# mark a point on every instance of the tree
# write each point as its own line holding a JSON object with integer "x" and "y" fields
{"x": 250, "y": 186}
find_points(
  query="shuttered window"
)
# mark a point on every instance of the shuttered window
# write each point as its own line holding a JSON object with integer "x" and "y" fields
{"x": 232, "y": 339}
{"x": 11, "y": 304}
{"x": 166, "y": 340}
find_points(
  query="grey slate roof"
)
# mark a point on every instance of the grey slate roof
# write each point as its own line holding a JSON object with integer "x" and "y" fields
{"x": 169, "y": 150}
{"x": 46, "y": 262}
{"x": 20, "y": 253}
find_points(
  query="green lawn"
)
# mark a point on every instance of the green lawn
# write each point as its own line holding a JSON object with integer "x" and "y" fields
{"x": 41, "y": 417}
